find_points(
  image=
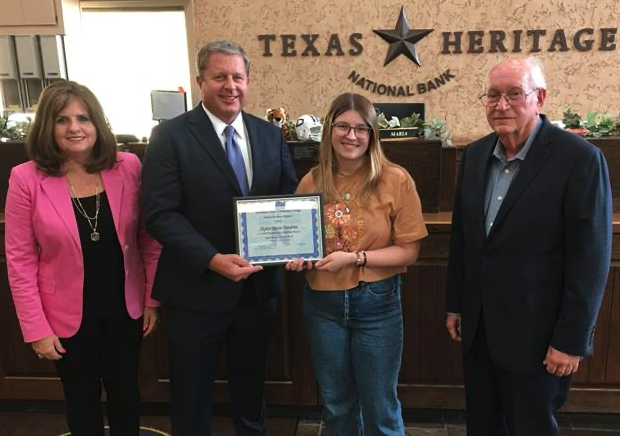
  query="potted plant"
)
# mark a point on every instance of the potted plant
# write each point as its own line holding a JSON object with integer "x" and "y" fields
{"x": 595, "y": 125}
{"x": 16, "y": 132}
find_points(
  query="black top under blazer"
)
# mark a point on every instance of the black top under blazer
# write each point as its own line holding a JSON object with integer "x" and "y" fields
{"x": 538, "y": 278}
{"x": 188, "y": 190}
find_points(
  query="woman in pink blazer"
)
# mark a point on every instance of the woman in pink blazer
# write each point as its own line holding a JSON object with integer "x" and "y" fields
{"x": 80, "y": 263}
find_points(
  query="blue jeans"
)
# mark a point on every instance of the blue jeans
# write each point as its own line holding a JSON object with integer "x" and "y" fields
{"x": 356, "y": 337}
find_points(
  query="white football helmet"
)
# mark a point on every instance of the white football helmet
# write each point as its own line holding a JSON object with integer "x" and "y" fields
{"x": 308, "y": 127}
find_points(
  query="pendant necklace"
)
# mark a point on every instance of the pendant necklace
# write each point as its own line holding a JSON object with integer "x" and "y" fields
{"x": 92, "y": 221}
{"x": 347, "y": 199}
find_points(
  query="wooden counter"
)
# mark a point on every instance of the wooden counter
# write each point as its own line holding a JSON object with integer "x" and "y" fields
{"x": 431, "y": 374}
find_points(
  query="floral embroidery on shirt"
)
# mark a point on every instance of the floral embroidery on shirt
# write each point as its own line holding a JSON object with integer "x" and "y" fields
{"x": 341, "y": 230}
{"x": 338, "y": 214}
{"x": 330, "y": 232}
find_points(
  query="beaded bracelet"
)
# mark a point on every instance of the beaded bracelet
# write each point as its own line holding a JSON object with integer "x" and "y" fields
{"x": 359, "y": 259}
{"x": 359, "y": 262}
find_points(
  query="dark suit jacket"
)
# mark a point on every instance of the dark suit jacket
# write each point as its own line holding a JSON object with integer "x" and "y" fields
{"x": 538, "y": 278}
{"x": 188, "y": 190}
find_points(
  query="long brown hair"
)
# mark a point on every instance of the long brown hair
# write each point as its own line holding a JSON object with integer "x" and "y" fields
{"x": 323, "y": 173}
{"x": 41, "y": 143}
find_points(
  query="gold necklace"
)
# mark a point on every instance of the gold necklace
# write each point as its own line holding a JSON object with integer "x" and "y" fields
{"x": 94, "y": 236}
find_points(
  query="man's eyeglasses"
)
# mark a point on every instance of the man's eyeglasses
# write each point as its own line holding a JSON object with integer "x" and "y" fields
{"x": 344, "y": 129}
{"x": 491, "y": 99}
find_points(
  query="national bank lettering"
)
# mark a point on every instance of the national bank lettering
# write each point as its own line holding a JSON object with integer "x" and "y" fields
{"x": 403, "y": 40}
{"x": 400, "y": 90}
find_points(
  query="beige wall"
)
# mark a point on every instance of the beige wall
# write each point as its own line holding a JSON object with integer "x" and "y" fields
{"x": 583, "y": 80}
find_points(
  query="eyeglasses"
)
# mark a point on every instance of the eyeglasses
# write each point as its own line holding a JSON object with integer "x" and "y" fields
{"x": 344, "y": 129}
{"x": 515, "y": 96}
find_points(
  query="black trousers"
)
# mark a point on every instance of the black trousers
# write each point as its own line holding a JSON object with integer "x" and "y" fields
{"x": 105, "y": 350}
{"x": 195, "y": 340}
{"x": 501, "y": 402}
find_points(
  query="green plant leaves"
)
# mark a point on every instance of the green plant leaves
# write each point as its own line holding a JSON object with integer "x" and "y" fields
{"x": 599, "y": 124}
{"x": 14, "y": 133}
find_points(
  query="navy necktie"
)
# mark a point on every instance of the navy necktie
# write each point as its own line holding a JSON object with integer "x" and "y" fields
{"x": 236, "y": 160}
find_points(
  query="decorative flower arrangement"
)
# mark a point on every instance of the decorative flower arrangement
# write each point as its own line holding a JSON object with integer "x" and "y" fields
{"x": 412, "y": 122}
{"x": 595, "y": 125}
{"x": 435, "y": 128}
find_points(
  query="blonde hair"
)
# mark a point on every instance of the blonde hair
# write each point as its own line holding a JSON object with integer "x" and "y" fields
{"x": 323, "y": 173}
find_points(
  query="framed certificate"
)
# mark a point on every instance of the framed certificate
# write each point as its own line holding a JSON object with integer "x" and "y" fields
{"x": 274, "y": 230}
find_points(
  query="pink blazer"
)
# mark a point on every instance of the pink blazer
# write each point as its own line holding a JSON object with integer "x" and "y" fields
{"x": 44, "y": 253}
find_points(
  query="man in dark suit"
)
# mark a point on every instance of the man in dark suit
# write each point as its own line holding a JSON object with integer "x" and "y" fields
{"x": 194, "y": 166}
{"x": 529, "y": 257}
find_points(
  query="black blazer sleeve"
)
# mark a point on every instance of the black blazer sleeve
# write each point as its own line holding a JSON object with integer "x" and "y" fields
{"x": 588, "y": 234}
{"x": 162, "y": 195}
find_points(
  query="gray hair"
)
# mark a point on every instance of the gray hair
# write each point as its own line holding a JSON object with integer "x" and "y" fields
{"x": 535, "y": 73}
{"x": 221, "y": 46}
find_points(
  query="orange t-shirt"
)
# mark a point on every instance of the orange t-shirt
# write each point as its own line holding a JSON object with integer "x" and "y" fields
{"x": 393, "y": 216}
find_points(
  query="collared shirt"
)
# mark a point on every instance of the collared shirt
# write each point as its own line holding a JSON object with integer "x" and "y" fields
{"x": 241, "y": 137}
{"x": 502, "y": 172}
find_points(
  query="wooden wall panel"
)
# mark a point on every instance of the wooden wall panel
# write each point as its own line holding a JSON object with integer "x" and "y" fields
{"x": 11, "y": 154}
{"x": 423, "y": 161}
{"x": 20, "y": 369}
{"x": 443, "y": 365}
{"x": 410, "y": 364}
{"x": 431, "y": 374}
{"x": 431, "y": 332}
{"x": 450, "y": 161}
{"x": 612, "y": 346}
